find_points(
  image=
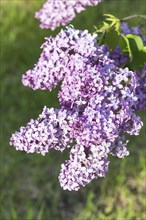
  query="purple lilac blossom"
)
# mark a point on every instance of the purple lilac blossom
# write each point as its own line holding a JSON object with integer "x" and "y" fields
{"x": 55, "y": 12}
{"x": 97, "y": 99}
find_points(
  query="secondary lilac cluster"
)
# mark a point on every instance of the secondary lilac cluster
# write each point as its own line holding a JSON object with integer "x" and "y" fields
{"x": 55, "y": 12}
{"x": 133, "y": 30}
{"x": 97, "y": 99}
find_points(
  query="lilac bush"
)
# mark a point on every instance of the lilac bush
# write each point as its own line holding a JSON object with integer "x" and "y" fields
{"x": 98, "y": 99}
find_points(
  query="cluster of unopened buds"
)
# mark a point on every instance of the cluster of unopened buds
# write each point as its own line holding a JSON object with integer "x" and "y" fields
{"x": 98, "y": 100}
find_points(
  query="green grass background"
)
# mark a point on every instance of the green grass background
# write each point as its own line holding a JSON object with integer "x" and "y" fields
{"x": 29, "y": 182}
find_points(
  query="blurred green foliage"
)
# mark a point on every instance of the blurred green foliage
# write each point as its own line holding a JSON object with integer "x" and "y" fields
{"x": 29, "y": 184}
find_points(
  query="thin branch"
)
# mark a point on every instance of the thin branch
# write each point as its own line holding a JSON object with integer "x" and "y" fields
{"x": 102, "y": 36}
{"x": 133, "y": 16}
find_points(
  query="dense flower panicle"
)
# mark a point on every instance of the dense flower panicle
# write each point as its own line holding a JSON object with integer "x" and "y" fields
{"x": 55, "y": 12}
{"x": 49, "y": 131}
{"x": 97, "y": 99}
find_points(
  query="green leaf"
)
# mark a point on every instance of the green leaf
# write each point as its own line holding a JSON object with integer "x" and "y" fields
{"x": 14, "y": 214}
{"x": 40, "y": 213}
{"x": 118, "y": 26}
{"x": 144, "y": 49}
{"x": 138, "y": 51}
{"x": 138, "y": 60}
{"x": 104, "y": 27}
{"x": 30, "y": 213}
{"x": 125, "y": 46}
{"x": 112, "y": 38}
{"x": 110, "y": 16}
{"x": 135, "y": 42}
{"x": 114, "y": 21}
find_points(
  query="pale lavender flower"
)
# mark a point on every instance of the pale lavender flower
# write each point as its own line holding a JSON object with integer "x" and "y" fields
{"x": 60, "y": 12}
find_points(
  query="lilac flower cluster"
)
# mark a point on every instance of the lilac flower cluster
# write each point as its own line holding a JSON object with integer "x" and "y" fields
{"x": 55, "y": 12}
{"x": 97, "y": 98}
